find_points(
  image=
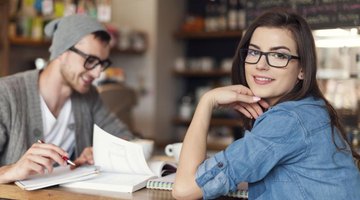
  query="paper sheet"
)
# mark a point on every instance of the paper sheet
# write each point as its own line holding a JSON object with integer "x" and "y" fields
{"x": 113, "y": 154}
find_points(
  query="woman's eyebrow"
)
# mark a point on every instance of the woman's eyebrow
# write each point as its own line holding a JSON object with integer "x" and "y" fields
{"x": 280, "y": 47}
{"x": 272, "y": 48}
{"x": 255, "y": 46}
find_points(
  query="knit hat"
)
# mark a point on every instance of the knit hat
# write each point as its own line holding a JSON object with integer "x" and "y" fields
{"x": 67, "y": 31}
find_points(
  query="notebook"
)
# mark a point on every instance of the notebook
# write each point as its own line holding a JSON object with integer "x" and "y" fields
{"x": 122, "y": 165}
{"x": 167, "y": 182}
{"x": 59, "y": 175}
{"x": 161, "y": 183}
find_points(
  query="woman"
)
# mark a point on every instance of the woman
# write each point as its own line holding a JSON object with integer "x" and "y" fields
{"x": 296, "y": 146}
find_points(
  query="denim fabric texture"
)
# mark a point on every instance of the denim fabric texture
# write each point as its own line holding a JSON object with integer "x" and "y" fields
{"x": 289, "y": 154}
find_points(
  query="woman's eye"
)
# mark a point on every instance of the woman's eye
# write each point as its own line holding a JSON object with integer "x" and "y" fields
{"x": 253, "y": 52}
{"x": 280, "y": 56}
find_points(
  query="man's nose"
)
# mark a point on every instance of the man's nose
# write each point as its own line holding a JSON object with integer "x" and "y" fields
{"x": 95, "y": 73}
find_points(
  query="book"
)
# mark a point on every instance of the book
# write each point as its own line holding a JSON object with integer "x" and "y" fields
{"x": 60, "y": 174}
{"x": 162, "y": 168}
{"x": 122, "y": 165}
{"x": 167, "y": 182}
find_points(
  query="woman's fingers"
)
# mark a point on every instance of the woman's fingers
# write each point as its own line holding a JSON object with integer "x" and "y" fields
{"x": 264, "y": 104}
{"x": 242, "y": 110}
{"x": 248, "y": 110}
{"x": 239, "y": 97}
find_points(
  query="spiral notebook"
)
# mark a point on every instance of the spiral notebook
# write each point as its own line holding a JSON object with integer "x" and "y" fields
{"x": 161, "y": 183}
{"x": 167, "y": 182}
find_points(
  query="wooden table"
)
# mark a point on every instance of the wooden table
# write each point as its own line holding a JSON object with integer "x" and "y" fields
{"x": 12, "y": 191}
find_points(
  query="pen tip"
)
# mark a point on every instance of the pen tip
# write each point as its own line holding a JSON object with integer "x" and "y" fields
{"x": 71, "y": 163}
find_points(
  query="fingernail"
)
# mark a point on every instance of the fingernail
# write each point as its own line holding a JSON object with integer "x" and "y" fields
{"x": 256, "y": 98}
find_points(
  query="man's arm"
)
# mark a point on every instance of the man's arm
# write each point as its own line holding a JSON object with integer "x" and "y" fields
{"x": 37, "y": 160}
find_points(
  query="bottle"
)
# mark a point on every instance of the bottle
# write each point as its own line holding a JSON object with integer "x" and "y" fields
{"x": 233, "y": 15}
{"x": 357, "y": 64}
{"x": 211, "y": 17}
{"x": 241, "y": 18}
{"x": 222, "y": 15}
{"x": 355, "y": 141}
{"x": 186, "y": 108}
{"x": 37, "y": 28}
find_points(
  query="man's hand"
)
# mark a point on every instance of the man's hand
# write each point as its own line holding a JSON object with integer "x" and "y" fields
{"x": 86, "y": 157}
{"x": 38, "y": 159}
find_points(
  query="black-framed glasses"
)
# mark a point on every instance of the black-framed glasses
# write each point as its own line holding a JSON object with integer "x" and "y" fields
{"x": 92, "y": 61}
{"x": 274, "y": 59}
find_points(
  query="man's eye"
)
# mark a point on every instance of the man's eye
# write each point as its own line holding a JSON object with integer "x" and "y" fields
{"x": 92, "y": 60}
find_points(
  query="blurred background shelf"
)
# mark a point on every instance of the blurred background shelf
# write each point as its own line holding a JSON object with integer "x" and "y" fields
{"x": 28, "y": 41}
{"x": 207, "y": 35}
{"x": 202, "y": 73}
{"x": 214, "y": 122}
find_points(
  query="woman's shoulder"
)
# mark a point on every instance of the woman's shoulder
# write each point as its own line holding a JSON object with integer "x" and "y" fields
{"x": 306, "y": 109}
{"x": 303, "y": 105}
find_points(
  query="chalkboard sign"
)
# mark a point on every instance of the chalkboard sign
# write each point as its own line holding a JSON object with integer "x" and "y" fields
{"x": 318, "y": 13}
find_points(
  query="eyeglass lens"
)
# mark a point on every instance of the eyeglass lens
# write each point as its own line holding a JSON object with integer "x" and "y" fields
{"x": 91, "y": 61}
{"x": 274, "y": 59}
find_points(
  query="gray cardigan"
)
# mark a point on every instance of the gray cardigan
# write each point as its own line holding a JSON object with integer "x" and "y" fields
{"x": 21, "y": 123}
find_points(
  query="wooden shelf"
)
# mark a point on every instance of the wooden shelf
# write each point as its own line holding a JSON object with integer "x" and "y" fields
{"x": 200, "y": 73}
{"x": 208, "y": 35}
{"x": 128, "y": 51}
{"x": 32, "y": 42}
{"x": 214, "y": 122}
{"x": 28, "y": 41}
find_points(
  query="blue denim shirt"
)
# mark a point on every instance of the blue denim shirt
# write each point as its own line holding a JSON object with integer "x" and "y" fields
{"x": 289, "y": 154}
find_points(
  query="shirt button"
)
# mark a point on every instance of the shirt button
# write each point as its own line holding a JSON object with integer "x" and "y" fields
{"x": 220, "y": 164}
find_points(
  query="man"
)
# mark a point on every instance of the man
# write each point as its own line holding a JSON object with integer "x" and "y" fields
{"x": 57, "y": 105}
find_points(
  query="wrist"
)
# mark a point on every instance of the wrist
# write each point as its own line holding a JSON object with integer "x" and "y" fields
{"x": 207, "y": 100}
{"x": 5, "y": 176}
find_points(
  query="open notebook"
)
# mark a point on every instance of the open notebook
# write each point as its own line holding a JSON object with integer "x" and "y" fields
{"x": 122, "y": 164}
{"x": 119, "y": 166}
{"x": 58, "y": 176}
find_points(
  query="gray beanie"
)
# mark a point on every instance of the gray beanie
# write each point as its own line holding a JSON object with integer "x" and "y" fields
{"x": 67, "y": 31}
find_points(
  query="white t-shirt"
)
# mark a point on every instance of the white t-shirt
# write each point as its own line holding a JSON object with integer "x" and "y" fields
{"x": 60, "y": 131}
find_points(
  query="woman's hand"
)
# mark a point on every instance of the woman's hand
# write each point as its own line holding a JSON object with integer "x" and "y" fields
{"x": 86, "y": 157}
{"x": 239, "y": 98}
{"x": 38, "y": 159}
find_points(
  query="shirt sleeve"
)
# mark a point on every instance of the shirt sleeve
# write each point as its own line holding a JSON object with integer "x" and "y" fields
{"x": 4, "y": 119}
{"x": 276, "y": 138}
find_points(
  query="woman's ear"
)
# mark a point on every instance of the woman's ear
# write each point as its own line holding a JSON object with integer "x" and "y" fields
{"x": 301, "y": 75}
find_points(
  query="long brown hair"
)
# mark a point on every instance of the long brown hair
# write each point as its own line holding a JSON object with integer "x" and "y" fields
{"x": 306, "y": 51}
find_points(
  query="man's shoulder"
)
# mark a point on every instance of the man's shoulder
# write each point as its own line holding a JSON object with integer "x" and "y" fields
{"x": 18, "y": 81}
{"x": 20, "y": 76}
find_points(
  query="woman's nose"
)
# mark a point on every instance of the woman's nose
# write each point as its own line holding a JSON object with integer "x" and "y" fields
{"x": 262, "y": 64}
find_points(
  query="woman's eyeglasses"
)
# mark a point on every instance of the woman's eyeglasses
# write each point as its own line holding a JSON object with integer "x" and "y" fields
{"x": 91, "y": 61}
{"x": 274, "y": 59}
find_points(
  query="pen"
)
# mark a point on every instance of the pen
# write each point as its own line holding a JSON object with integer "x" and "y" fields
{"x": 63, "y": 157}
